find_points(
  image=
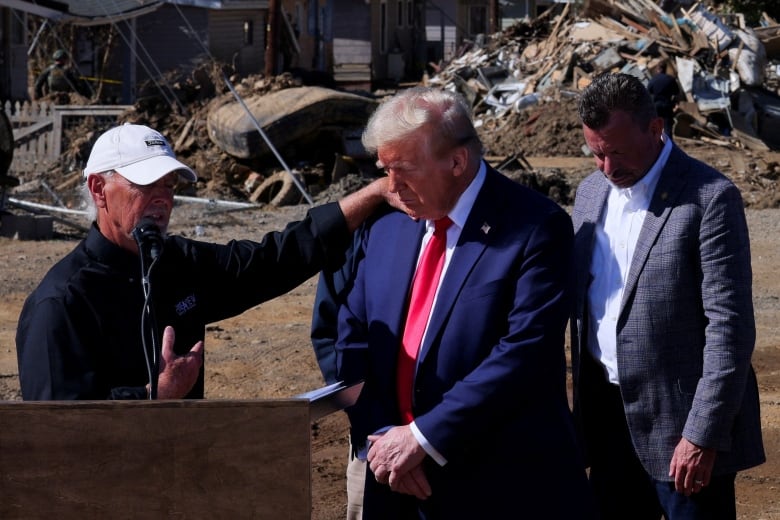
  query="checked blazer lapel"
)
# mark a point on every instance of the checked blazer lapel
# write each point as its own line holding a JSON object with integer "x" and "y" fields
{"x": 667, "y": 191}
{"x": 597, "y": 192}
{"x": 586, "y": 233}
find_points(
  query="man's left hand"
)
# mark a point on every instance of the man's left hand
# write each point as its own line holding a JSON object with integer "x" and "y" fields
{"x": 691, "y": 467}
{"x": 395, "y": 458}
{"x": 178, "y": 374}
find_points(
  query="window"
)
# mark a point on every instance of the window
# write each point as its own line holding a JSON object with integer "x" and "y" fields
{"x": 312, "y": 12}
{"x": 410, "y": 13}
{"x": 248, "y": 32}
{"x": 400, "y": 19}
{"x": 298, "y": 21}
{"x": 17, "y": 24}
{"x": 477, "y": 20}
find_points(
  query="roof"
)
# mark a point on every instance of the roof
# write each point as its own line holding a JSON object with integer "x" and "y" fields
{"x": 95, "y": 12}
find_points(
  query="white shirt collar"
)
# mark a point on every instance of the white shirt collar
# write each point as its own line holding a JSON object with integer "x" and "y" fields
{"x": 460, "y": 213}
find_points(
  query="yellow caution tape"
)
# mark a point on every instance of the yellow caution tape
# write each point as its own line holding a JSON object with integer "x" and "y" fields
{"x": 103, "y": 80}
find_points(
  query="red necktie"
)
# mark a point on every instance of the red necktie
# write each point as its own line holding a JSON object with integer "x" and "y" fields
{"x": 426, "y": 280}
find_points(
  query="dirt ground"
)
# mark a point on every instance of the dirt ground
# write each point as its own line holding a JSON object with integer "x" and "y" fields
{"x": 266, "y": 353}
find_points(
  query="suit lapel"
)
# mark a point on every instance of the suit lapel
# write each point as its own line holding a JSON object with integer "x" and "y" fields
{"x": 594, "y": 194}
{"x": 598, "y": 192}
{"x": 667, "y": 191}
{"x": 481, "y": 225}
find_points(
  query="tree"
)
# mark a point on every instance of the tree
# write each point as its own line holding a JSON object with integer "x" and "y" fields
{"x": 752, "y": 9}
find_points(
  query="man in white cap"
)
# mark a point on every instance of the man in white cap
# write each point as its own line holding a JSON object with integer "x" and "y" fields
{"x": 89, "y": 331}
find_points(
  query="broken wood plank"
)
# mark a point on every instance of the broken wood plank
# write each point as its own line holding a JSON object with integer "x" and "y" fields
{"x": 749, "y": 141}
{"x": 620, "y": 29}
{"x": 718, "y": 142}
{"x": 738, "y": 54}
{"x": 72, "y": 180}
{"x": 678, "y": 33}
{"x": 737, "y": 162}
{"x": 183, "y": 135}
{"x": 660, "y": 24}
{"x": 637, "y": 26}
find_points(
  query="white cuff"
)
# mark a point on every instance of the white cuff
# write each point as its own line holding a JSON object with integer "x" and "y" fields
{"x": 429, "y": 449}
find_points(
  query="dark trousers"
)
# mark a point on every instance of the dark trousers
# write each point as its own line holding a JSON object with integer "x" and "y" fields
{"x": 621, "y": 486}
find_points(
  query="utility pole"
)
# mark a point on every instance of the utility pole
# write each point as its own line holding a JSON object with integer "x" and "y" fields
{"x": 272, "y": 37}
{"x": 493, "y": 22}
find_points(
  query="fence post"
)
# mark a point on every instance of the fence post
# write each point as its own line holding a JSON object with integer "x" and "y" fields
{"x": 56, "y": 134}
{"x": 40, "y": 129}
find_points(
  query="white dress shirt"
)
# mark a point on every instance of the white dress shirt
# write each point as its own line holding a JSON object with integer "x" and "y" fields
{"x": 616, "y": 237}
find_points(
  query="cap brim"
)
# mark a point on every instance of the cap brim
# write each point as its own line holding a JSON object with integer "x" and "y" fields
{"x": 154, "y": 168}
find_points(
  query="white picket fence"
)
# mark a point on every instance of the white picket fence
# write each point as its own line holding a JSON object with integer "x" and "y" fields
{"x": 38, "y": 130}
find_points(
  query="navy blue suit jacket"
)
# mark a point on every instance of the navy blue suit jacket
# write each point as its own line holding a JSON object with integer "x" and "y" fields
{"x": 490, "y": 390}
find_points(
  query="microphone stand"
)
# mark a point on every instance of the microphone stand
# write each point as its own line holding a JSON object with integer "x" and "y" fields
{"x": 149, "y": 326}
{"x": 150, "y": 243}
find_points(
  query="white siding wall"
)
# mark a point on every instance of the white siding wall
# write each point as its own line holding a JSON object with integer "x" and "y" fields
{"x": 164, "y": 40}
{"x": 348, "y": 50}
{"x": 351, "y": 25}
{"x": 440, "y": 27}
{"x": 226, "y": 37}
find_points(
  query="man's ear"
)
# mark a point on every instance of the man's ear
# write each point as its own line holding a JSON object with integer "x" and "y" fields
{"x": 657, "y": 126}
{"x": 460, "y": 160}
{"x": 97, "y": 185}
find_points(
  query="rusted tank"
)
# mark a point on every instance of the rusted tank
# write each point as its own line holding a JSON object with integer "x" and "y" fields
{"x": 286, "y": 116}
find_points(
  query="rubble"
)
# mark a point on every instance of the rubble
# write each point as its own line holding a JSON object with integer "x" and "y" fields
{"x": 719, "y": 62}
{"x": 523, "y": 84}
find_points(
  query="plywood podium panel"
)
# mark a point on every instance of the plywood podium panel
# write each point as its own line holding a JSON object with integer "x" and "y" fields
{"x": 155, "y": 459}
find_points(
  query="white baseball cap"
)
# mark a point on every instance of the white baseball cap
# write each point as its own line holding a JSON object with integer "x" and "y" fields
{"x": 138, "y": 153}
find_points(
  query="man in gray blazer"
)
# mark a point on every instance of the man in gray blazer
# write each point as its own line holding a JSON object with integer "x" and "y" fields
{"x": 663, "y": 328}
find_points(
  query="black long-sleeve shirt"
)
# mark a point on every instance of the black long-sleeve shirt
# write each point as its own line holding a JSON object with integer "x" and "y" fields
{"x": 80, "y": 335}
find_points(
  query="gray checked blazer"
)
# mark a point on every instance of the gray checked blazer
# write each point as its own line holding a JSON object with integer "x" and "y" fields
{"x": 686, "y": 331}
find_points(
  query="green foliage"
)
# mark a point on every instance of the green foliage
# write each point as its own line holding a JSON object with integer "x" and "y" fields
{"x": 752, "y": 9}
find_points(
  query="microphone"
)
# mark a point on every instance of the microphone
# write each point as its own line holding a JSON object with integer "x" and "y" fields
{"x": 148, "y": 237}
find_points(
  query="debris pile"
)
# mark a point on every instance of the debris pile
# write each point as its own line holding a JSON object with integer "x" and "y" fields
{"x": 523, "y": 84}
{"x": 178, "y": 106}
{"x": 727, "y": 71}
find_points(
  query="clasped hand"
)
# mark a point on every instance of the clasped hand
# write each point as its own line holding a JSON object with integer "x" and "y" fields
{"x": 396, "y": 459}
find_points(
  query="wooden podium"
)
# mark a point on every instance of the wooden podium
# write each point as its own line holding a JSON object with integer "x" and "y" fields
{"x": 158, "y": 459}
